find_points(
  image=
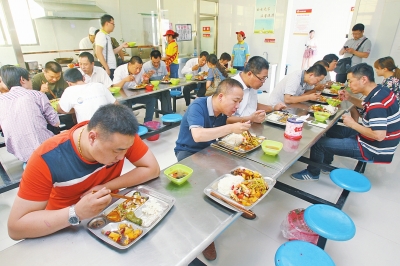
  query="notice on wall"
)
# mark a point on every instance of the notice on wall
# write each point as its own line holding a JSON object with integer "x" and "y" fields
{"x": 264, "y": 17}
{"x": 269, "y": 40}
{"x": 206, "y": 35}
{"x": 207, "y": 29}
{"x": 185, "y": 32}
{"x": 302, "y": 21}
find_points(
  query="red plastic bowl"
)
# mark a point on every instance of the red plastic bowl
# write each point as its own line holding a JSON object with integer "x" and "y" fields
{"x": 149, "y": 87}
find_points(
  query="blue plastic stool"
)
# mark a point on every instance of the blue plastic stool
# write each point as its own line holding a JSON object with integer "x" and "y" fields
{"x": 171, "y": 118}
{"x": 174, "y": 93}
{"x": 259, "y": 91}
{"x": 301, "y": 253}
{"x": 329, "y": 222}
{"x": 142, "y": 130}
{"x": 350, "y": 180}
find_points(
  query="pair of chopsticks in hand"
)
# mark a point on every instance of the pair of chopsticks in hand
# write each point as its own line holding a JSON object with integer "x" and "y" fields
{"x": 117, "y": 195}
{"x": 51, "y": 92}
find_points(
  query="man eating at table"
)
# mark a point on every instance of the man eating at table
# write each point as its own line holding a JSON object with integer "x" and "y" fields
{"x": 298, "y": 86}
{"x": 50, "y": 81}
{"x": 252, "y": 78}
{"x": 131, "y": 75}
{"x": 375, "y": 140}
{"x": 56, "y": 187}
{"x": 92, "y": 73}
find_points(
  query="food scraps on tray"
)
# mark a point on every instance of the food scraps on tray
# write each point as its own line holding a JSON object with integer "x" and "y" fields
{"x": 124, "y": 235}
{"x": 120, "y": 212}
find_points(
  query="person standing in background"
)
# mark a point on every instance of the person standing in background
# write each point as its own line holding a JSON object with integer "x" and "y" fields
{"x": 172, "y": 52}
{"x": 310, "y": 50}
{"x": 240, "y": 52}
{"x": 385, "y": 67}
{"x": 350, "y": 46}
{"x": 87, "y": 42}
{"x": 104, "y": 49}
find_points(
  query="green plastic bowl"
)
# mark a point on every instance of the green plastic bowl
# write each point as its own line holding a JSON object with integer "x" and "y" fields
{"x": 155, "y": 82}
{"x": 233, "y": 70}
{"x": 271, "y": 147}
{"x": 333, "y": 102}
{"x": 335, "y": 87}
{"x": 321, "y": 116}
{"x": 115, "y": 89}
{"x": 188, "y": 76}
{"x": 176, "y": 167}
{"x": 131, "y": 44}
{"x": 174, "y": 81}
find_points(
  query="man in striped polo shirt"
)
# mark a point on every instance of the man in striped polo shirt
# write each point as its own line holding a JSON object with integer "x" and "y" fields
{"x": 376, "y": 139}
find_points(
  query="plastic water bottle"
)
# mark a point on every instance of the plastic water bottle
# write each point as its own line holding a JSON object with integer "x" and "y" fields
{"x": 195, "y": 52}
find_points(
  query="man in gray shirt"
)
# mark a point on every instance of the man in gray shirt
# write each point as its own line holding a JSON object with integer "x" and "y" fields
{"x": 350, "y": 46}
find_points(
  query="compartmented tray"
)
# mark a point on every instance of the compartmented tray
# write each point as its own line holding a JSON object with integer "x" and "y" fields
{"x": 330, "y": 92}
{"x": 325, "y": 108}
{"x": 100, "y": 225}
{"x": 214, "y": 187}
{"x": 279, "y": 117}
{"x": 165, "y": 82}
{"x": 138, "y": 87}
{"x": 237, "y": 148}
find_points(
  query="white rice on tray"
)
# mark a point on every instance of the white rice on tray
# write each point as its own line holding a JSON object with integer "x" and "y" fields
{"x": 234, "y": 139}
{"x": 226, "y": 183}
{"x": 151, "y": 211}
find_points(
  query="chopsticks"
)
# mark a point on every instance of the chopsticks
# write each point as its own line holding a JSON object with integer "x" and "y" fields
{"x": 248, "y": 214}
{"x": 51, "y": 92}
{"x": 117, "y": 196}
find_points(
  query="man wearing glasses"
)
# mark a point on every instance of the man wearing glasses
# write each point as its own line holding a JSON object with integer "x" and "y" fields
{"x": 156, "y": 69}
{"x": 104, "y": 49}
{"x": 252, "y": 78}
{"x": 298, "y": 86}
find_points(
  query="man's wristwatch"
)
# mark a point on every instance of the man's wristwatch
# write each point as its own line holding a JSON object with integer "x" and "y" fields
{"x": 73, "y": 219}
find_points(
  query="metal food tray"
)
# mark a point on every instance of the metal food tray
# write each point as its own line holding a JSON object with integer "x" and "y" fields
{"x": 235, "y": 149}
{"x": 165, "y": 201}
{"x": 165, "y": 82}
{"x": 214, "y": 187}
{"x": 312, "y": 111}
{"x": 270, "y": 117}
{"x": 328, "y": 92}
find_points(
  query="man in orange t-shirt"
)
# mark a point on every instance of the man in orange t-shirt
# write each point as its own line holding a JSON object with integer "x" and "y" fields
{"x": 55, "y": 189}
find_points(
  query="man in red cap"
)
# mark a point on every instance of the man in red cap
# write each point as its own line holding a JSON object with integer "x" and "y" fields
{"x": 171, "y": 58}
{"x": 240, "y": 53}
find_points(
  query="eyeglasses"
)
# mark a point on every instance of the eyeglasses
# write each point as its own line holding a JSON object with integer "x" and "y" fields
{"x": 260, "y": 79}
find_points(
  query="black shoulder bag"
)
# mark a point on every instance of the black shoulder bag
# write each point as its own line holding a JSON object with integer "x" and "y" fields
{"x": 345, "y": 63}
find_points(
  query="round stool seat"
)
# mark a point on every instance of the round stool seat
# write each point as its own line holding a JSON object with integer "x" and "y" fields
{"x": 142, "y": 130}
{"x": 171, "y": 118}
{"x": 350, "y": 180}
{"x": 329, "y": 222}
{"x": 259, "y": 91}
{"x": 301, "y": 253}
{"x": 175, "y": 93}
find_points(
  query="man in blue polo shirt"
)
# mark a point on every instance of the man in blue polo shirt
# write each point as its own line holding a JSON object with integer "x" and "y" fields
{"x": 205, "y": 119}
{"x": 376, "y": 139}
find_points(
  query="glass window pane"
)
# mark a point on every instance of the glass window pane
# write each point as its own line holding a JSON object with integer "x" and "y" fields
{"x": 22, "y": 21}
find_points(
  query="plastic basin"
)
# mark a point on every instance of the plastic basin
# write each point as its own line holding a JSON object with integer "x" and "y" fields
{"x": 155, "y": 82}
{"x": 299, "y": 229}
{"x": 115, "y": 89}
{"x": 333, "y": 102}
{"x": 336, "y": 87}
{"x": 131, "y": 44}
{"x": 153, "y": 125}
{"x": 174, "y": 81}
{"x": 188, "y": 76}
{"x": 172, "y": 170}
{"x": 321, "y": 116}
{"x": 271, "y": 147}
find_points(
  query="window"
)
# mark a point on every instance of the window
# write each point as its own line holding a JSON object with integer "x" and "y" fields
{"x": 23, "y": 23}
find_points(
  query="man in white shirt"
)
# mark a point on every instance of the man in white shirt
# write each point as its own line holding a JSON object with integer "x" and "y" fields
{"x": 298, "y": 86}
{"x": 87, "y": 42}
{"x": 92, "y": 73}
{"x": 84, "y": 98}
{"x": 156, "y": 69}
{"x": 252, "y": 78}
{"x": 104, "y": 50}
{"x": 194, "y": 66}
{"x": 131, "y": 74}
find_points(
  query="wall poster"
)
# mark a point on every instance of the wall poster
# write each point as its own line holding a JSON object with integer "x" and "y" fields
{"x": 264, "y": 18}
{"x": 185, "y": 32}
{"x": 302, "y": 21}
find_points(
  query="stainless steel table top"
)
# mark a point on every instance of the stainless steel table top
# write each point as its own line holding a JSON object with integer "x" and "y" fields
{"x": 190, "y": 226}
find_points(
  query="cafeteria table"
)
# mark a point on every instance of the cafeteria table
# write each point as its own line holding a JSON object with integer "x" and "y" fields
{"x": 190, "y": 226}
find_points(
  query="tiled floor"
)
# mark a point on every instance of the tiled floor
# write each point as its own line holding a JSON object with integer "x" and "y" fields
{"x": 249, "y": 242}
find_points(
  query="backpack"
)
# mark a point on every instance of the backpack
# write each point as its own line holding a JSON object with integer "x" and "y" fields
{"x": 345, "y": 63}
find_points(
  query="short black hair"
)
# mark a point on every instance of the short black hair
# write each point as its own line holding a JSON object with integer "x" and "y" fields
{"x": 358, "y": 26}
{"x": 362, "y": 69}
{"x": 114, "y": 118}
{"x": 73, "y": 75}
{"x": 212, "y": 58}
{"x": 311, "y": 31}
{"x": 204, "y": 53}
{"x": 155, "y": 54}
{"x": 11, "y": 75}
{"x": 96, "y": 31}
{"x": 227, "y": 85}
{"x": 105, "y": 18}
{"x": 317, "y": 70}
{"x": 136, "y": 59}
{"x": 330, "y": 58}
{"x": 322, "y": 63}
{"x": 53, "y": 67}
{"x": 88, "y": 55}
{"x": 256, "y": 64}
{"x": 225, "y": 56}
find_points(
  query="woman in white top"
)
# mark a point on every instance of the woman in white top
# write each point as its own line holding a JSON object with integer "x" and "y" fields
{"x": 309, "y": 52}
